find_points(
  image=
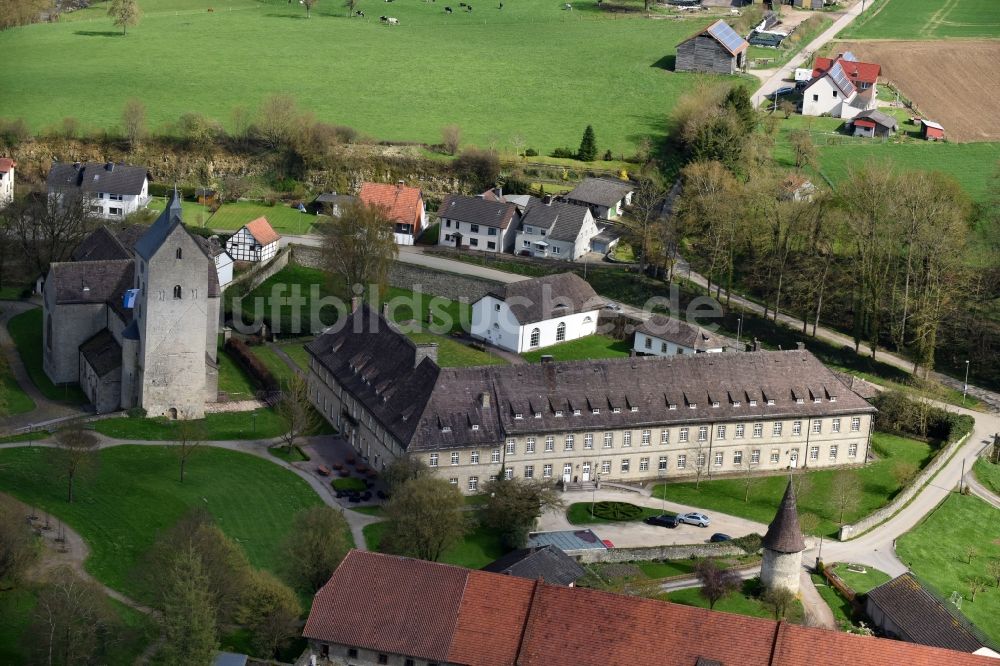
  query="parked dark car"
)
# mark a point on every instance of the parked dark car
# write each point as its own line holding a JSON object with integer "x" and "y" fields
{"x": 719, "y": 537}
{"x": 663, "y": 520}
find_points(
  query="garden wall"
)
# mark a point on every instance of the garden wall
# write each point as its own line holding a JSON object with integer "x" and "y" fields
{"x": 848, "y": 532}
{"x": 252, "y": 278}
{"x": 649, "y": 553}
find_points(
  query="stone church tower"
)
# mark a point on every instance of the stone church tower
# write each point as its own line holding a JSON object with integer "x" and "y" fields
{"x": 783, "y": 546}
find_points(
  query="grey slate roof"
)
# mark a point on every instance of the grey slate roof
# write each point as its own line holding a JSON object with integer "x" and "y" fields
{"x": 876, "y": 116}
{"x": 92, "y": 177}
{"x": 545, "y": 562}
{"x": 783, "y": 534}
{"x": 171, "y": 216}
{"x": 547, "y": 297}
{"x": 562, "y": 221}
{"x": 100, "y": 245}
{"x": 102, "y": 352}
{"x": 681, "y": 333}
{"x": 567, "y": 540}
{"x": 91, "y": 281}
{"x": 600, "y": 191}
{"x": 923, "y": 618}
{"x": 476, "y": 210}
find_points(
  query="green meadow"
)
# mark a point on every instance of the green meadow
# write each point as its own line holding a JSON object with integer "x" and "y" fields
{"x": 927, "y": 19}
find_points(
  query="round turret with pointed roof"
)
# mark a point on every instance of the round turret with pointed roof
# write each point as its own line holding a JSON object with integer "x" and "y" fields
{"x": 783, "y": 534}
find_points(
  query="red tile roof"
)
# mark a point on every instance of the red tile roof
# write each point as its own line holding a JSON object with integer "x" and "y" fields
{"x": 262, "y": 231}
{"x": 448, "y": 614}
{"x": 865, "y": 123}
{"x": 404, "y": 204}
{"x": 6, "y": 164}
{"x": 865, "y": 72}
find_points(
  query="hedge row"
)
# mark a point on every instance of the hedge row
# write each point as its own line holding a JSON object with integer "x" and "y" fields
{"x": 902, "y": 415}
{"x": 253, "y": 365}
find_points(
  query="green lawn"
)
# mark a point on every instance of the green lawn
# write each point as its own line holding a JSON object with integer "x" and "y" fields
{"x": 935, "y": 550}
{"x": 258, "y": 424}
{"x": 297, "y": 352}
{"x": 841, "y": 607}
{"x": 295, "y": 455}
{"x": 744, "y": 602}
{"x": 878, "y": 487}
{"x": 281, "y": 370}
{"x": 25, "y": 437}
{"x": 231, "y": 216}
{"x": 256, "y": 49}
{"x": 666, "y": 568}
{"x": 455, "y": 354}
{"x": 479, "y": 548}
{"x": 579, "y": 513}
{"x": 406, "y": 305}
{"x": 592, "y": 346}
{"x": 988, "y": 474}
{"x": 13, "y": 400}
{"x": 233, "y": 379}
{"x": 926, "y": 19}
{"x": 860, "y": 582}
{"x": 133, "y": 493}
{"x": 348, "y": 483}
{"x": 26, "y": 330}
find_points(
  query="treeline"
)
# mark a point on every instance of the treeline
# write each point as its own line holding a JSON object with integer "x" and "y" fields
{"x": 22, "y": 12}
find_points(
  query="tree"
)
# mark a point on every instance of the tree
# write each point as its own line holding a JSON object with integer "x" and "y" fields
{"x": 517, "y": 142}
{"x": 588, "y": 146}
{"x": 808, "y": 523}
{"x": 970, "y": 553}
{"x": 424, "y": 518}
{"x": 746, "y": 466}
{"x": 480, "y": 169}
{"x": 700, "y": 462}
{"x": 294, "y": 408}
{"x": 647, "y": 203}
{"x": 22, "y": 12}
{"x": 845, "y": 492}
{"x": 72, "y": 622}
{"x": 451, "y": 138}
{"x": 976, "y": 585}
{"x": 515, "y": 504}
{"x": 190, "y": 439}
{"x": 308, "y": 4}
{"x": 18, "y": 545}
{"x": 802, "y": 148}
{"x": 134, "y": 122}
{"x": 359, "y": 246}
{"x": 716, "y": 583}
{"x": 233, "y": 187}
{"x": 315, "y": 546}
{"x": 190, "y": 633}
{"x": 44, "y": 231}
{"x": 993, "y": 569}
{"x": 778, "y": 600}
{"x": 351, "y": 5}
{"x": 124, "y": 13}
{"x": 76, "y": 454}
{"x": 276, "y": 120}
{"x": 738, "y": 101}
{"x": 403, "y": 469}
{"x": 270, "y": 612}
{"x": 787, "y": 108}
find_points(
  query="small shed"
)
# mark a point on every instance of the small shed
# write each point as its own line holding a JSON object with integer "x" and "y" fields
{"x": 331, "y": 203}
{"x": 873, "y": 124}
{"x": 769, "y": 39}
{"x": 206, "y": 196}
{"x": 716, "y": 49}
{"x": 931, "y": 131}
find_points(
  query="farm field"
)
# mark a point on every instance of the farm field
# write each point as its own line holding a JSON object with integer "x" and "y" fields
{"x": 927, "y": 19}
{"x": 392, "y": 82}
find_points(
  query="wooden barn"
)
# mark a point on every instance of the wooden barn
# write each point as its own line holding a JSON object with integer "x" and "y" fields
{"x": 716, "y": 49}
{"x": 931, "y": 131}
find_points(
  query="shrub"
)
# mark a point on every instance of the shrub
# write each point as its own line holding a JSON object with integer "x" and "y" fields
{"x": 253, "y": 365}
{"x": 750, "y": 543}
{"x": 136, "y": 413}
{"x": 531, "y": 152}
{"x": 617, "y": 511}
{"x": 14, "y": 132}
{"x": 478, "y": 168}
{"x": 608, "y": 156}
{"x": 902, "y": 415}
{"x": 564, "y": 153}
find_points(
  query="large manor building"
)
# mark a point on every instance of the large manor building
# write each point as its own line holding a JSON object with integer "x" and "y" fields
{"x": 134, "y": 317}
{"x": 628, "y": 419}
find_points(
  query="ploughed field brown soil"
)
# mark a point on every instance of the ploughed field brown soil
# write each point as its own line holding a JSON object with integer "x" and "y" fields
{"x": 952, "y": 82}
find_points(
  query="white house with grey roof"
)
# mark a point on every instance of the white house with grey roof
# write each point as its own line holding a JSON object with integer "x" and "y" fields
{"x": 478, "y": 223}
{"x": 665, "y": 336}
{"x": 531, "y": 314}
{"x": 111, "y": 191}
{"x": 556, "y": 230}
{"x": 606, "y": 198}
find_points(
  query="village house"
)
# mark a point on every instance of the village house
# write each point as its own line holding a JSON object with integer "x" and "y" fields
{"x": 111, "y": 191}
{"x": 841, "y": 87}
{"x": 665, "y": 336}
{"x": 477, "y": 223}
{"x": 133, "y": 318}
{"x": 606, "y": 198}
{"x": 7, "y": 167}
{"x": 873, "y": 124}
{"x": 556, "y": 230}
{"x": 716, "y": 49}
{"x": 255, "y": 241}
{"x": 624, "y": 419}
{"x": 223, "y": 262}
{"x": 519, "y": 200}
{"x": 547, "y": 563}
{"x": 531, "y": 314}
{"x": 331, "y": 203}
{"x": 399, "y": 611}
{"x": 403, "y": 205}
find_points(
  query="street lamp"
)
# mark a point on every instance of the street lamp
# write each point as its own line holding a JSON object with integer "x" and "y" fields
{"x": 965, "y": 386}
{"x": 739, "y": 331}
{"x": 253, "y": 420}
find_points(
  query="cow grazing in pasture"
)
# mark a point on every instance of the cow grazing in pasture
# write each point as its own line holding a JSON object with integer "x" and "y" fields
{"x": 447, "y": 10}
{"x": 393, "y": 21}
{"x": 383, "y": 19}
{"x": 359, "y": 13}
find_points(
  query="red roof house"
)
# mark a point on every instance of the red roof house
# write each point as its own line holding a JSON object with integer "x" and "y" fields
{"x": 255, "y": 241}
{"x": 841, "y": 87}
{"x": 404, "y": 206}
{"x": 929, "y": 130}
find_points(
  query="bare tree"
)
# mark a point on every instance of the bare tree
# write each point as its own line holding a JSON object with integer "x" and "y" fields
{"x": 700, "y": 462}
{"x": 294, "y": 408}
{"x": 517, "y": 142}
{"x": 18, "y": 546}
{"x": 802, "y": 148}
{"x": 308, "y": 4}
{"x": 276, "y": 119}
{"x": 124, "y": 13}
{"x": 76, "y": 454}
{"x": 970, "y": 553}
{"x": 993, "y": 569}
{"x": 350, "y": 5}
{"x": 134, "y": 122}
{"x": 451, "y": 138}
{"x": 746, "y": 466}
{"x": 778, "y": 600}
{"x": 716, "y": 583}
{"x": 72, "y": 622}
{"x": 360, "y": 245}
{"x": 808, "y": 523}
{"x": 647, "y": 203}
{"x": 845, "y": 492}
{"x": 190, "y": 439}
{"x": 45, "y": 230}
{"x": 976, "y": 585}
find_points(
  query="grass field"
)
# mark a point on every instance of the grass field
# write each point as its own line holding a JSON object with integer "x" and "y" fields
{"x": 744, "y": 602}
{"x": 476, "y": 550}
{"x": 133, "y": 493}
{"x": 988, "y": 474}
{"x": 592, "y": 346}
{"x": 258, "y": 424}
{"x": 13, "y": 400}
{"x": 233, "y": 379}
{"x": 232, "y": 216}
{"x": 839, "y": 606}
{"x": 860, "y": 582}
{"x": 359, "y": 72}
{"x": 935, "y": 550}
{"x": 26, "y": 330}
{"x": 926, "y": 19}
{"x": 878, "y": 487}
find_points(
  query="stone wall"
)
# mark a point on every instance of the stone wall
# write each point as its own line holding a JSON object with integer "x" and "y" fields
{"x": 649, "y": 553}
{"x": 848, "y": 532}
{"x": 248, "y": 281}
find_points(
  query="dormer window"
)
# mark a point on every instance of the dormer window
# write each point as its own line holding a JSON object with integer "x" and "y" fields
{"x": 693, "y": 405}
{"x": 833, "y": 398}
{"x": 634, "y": 409}
{"x": 715, "y": 403}
{"x": 475, "y": 426}
{"x": 518, "y": 415}
{"x": 753, "y": 403}
{"x": 595, "y": 411}
{"x": 798, "y": 401}
{"x": 771, "y": 402}
{"x": 736, "y": 403}
{"x": 559, "y": 412}
{"x": 817, "y": 400}
{"x": 538, "y": 415}
{"x": 576, "y": 412}
{"x": 445, "y": 428}
{"x": 616, "y": 410}
{"x": 672, "y": 406}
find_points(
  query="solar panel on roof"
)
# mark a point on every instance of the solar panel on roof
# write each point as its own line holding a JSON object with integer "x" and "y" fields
{"x": 849, "y": 56}
{"x": 840, "y": 78}
{"x": 726, "y": 36}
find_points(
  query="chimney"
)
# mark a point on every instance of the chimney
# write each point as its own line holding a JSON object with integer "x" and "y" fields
{"x": 801, "y": 346}
{"x": 484, "y": 400}
{"x": 425, "y": 350}
{"x": 500, "y": 192}
{"x": 110, "y": 166}
{"x": 546, "y": 358}
{"x": 355, "y": 301}
{"x": 385, "y": 309}
{"x": 547, "y": 200}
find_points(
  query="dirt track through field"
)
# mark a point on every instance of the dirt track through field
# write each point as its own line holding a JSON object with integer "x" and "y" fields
{"x": 951, "y": 82}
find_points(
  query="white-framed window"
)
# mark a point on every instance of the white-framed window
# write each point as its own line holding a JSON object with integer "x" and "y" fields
{"x": 626, "y": 438}
{"x": 529, "y": 445}
{"x": 577, "y": 412}
{"x": 700, "y": 460}
{"x": 796, "y": 428}
{"x": 508, "y": 473}
{"x": 550, "y": 443}
{"x": 715, "y": 403}
{"x": 559, "y": 412}
{"x": 855, "y": 423}
{"x": 511, "y": 446}
{"x": 605, "y": 467}
{"x": 720, "y": 432}
{"x": 817, "y": 426}
{"x": 626, "y": 463}
{"x": 588, "y": 441}
{"x": 495, "y": 456}
{"x": 645, "y": 437}
{"x": 770, "y": 401}
{"x": 775, "y": 456}
{"x": 836, "y": 424}
{"x": 609, "y": 440}
{"x": 633, "y": 408}
{"x": 115, "y": 211}
{"x": 778, "y": 425}
{"x": 595, "y": 411}
{"x": 518, "y": 415}
{"x": 649, "y": 343}
{"x": 547, "y": 471}
{"x": 813, "y": 453}
{"x": 753, "y": 402}
{"x": 475, "y": 426}
{"x": 529, "y": 471}
{"x": 682, "y": 461}
{"x": 672, "y": 406}
{"x": 561, "y": 331}
{"x": 758, "y": 429}
{"x": 474, "y": 458}
{"x": 537, "y": 415}
{"x": 852, "y": 450}
{"x": 737, "y": 457}
{"x": 662, "y": 466}
{"x": 454, "y": 457}
{"x": 684, "y": 435}
{"x": 643, "y": 464}
{"x": 570, "y": 441}
{"x": 718, "y": 458}
{"x": 434, "y": 460}
{"x": 833, "y": 451}
{"x": 741, "y": 430}
{"x": 536, "y": 337}
{"x": 664, "y": 436}
{"x": 755, "y": 457}
{"x": 703, "y": 433}
{"x": 453, "y": 480}
{"x": 616, "y": 410}
{"x": 736, "y": 403}
{"x": 473, "y": 484}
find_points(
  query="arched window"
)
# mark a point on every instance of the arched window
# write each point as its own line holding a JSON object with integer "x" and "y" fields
{"x": 180, "y": 253}
{"x": 588, "y": 319}
{"x": 536, "y": 336}
{"x": 48, "y": 331}
{"x": 177, "y": 291}
{"x": 561, "y": 331}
